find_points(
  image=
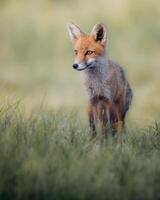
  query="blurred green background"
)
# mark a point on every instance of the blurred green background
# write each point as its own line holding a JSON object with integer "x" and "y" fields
{"x": 36, "y": 52}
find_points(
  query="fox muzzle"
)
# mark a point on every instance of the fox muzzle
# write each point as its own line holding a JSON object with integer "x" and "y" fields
{"x": 80, "y": 66}
{"x": 83, "y": 66}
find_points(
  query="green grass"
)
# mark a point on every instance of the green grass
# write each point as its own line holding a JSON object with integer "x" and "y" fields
{"x": 50, "y": 155}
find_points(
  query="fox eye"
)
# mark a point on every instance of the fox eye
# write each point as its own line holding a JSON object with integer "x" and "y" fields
{"x": 89, "y": 52}
{"x": 76, "y": 52}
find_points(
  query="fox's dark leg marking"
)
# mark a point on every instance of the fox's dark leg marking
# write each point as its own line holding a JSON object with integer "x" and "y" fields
{"x": 92, "y": 124}
{"x": 102, "y": 115}
{"x": 91, "y": 115}
{"x": 113, "y": 118}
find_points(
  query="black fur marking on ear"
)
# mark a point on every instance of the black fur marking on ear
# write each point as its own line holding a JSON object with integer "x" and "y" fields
{"x": 100, "y": 34}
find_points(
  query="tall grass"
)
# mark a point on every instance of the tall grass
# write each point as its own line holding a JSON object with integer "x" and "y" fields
{"x": 50, "y": 155}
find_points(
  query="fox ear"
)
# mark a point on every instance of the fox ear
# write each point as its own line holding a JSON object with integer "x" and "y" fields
{"x": 99, "y": 33}
{"x": 74, "y": 31}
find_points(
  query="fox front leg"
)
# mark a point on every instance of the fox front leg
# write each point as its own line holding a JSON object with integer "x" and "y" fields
{"x": 91, "y": 119}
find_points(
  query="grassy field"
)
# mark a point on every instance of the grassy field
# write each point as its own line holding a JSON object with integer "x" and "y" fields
{"x": 50, "y": 155}
{"x": 45, "y": 146}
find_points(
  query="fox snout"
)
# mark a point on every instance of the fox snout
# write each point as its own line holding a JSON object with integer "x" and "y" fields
{"x": 80, "y": 66}
{"x": 83, "y": 66}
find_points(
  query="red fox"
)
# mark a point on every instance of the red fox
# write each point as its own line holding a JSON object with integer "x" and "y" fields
{"x": 108, "y": 89}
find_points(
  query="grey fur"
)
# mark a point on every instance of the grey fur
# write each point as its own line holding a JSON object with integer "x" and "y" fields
{"x": 105, "y": 79}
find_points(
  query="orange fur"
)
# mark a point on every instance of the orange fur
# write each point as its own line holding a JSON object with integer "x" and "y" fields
{"x": 85, "y": 43}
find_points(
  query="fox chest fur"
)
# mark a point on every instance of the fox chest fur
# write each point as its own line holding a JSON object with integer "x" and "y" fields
{"x": 102, "y": 81}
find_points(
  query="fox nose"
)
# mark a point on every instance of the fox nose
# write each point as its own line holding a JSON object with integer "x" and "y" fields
{"x": 75, "y": 66}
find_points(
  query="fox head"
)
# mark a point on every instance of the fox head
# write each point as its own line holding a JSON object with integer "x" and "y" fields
{"x": 88, "y": 48}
